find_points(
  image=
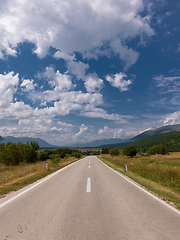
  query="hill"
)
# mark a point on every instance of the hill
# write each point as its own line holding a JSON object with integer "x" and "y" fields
{"x": 165, "y": 129}
{"x": 171, "y": 140}
{"x": 42, "y": 143}
{"x": 154, "y": 132}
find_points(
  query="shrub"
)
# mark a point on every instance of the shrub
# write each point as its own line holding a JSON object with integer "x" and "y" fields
{"x": 114, "y": 151}
{"x": 158, "y": 149}
{"x": 111, "y": 152}
{"x": 130, "y": 151}
{"x": 105, "y": 150}
{"x": 44, "y": 155}
{"x": 15, "y": 153}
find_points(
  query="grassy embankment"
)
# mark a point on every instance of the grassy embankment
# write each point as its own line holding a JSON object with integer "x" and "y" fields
{"x": 13, "y": 178}
{"x": 158, "y": 173}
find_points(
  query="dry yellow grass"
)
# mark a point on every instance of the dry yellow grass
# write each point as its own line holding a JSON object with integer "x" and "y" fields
{"x": 15, "y": 177}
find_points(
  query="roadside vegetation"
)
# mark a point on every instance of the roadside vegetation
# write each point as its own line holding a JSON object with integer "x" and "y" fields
{"x": 156, "y": 169}
{"x": 158, "y": 173}
{"x": 22, "y": 164}
{"x": 13, "y": 178}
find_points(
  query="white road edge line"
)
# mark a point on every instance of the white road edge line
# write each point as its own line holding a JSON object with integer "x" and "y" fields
{"x": 88, "y": 187}
{"x": 43, "y": 180}
{"x": 136, "y": 185}
{"x": 89, "y": 166}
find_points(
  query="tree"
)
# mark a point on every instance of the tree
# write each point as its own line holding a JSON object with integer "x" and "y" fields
{"x": 114, "y": 151}
{"x": 44, "y": 155}
{"x": 130, "y": 151}
{"x": 111, "y": 152}
{"x": 11, "y": 153}
{"x": 30, "y": 152}
{"x": 105, "y": 150}
{"x": 158, "y": 149}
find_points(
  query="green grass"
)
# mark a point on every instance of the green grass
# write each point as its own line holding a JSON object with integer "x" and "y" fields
{"x": 159, "y": 174}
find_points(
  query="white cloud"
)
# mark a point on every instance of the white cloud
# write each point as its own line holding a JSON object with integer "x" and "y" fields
{"x": 64, "y": 125}
{"x": 77, "y": 68}
{"x": 73, "y": 26}
{"x": 8, "y": 86}
{"x": 128, "y": 55}
{"x": 74, "y": 67}
{"x": 64, "y": 56}
{"x": 120, "y": 134}
{"x": 28, "y": 85}
{"x": 93, "y": 83}
{"x": 63, "y": 100}
{"x": 82, "y": 131}
{"x": 17, "y": 110}
{"x": 118, "y": 81}
{"x": 95, "y": 112}
{"x": 169, "y": 88}
{"x": 169, "y": 84}
{"x": 104, "y": 130}
{"x": 171, "y": 119}
{"x": 61, "y": 82}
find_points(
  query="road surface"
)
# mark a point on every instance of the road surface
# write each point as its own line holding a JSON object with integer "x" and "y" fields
{"x": 86, "y": 201}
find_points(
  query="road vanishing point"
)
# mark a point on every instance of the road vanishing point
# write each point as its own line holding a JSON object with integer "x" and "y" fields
{"x": 86, "y": 200}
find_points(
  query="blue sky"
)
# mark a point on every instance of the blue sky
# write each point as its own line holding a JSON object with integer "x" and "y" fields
{"x": 76, "y": 71}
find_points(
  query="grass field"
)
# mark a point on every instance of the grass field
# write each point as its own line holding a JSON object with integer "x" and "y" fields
{"x": 13, "y": 178}
{"x": 158, "y": 173}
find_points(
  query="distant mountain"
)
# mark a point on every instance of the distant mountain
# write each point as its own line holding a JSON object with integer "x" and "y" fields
{"x": 165, "y": 129}
{"x": 42, "y": 143}
{"x": 96, "y": 143}
{"x": 170, "y": 139}
{"x": 161, "y": 130}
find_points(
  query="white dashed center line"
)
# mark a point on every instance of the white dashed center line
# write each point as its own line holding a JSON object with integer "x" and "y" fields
{"x": 88, "y": 187}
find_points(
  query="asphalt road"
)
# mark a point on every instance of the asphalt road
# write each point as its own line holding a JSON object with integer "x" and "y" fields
{"x": 87, "y": 201}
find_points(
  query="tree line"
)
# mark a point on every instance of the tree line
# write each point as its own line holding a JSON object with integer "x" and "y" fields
{"x": 131, "y": 151}
{"x": 17, "y": 153}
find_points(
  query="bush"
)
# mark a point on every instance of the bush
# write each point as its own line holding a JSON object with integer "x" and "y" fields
{"x": 15, "y": 153}
{"x": 130, "y": 151}
{"x": 158, "y": 149}
{"x": 105, "y": 150}
{"x": 111, "y": 152}
{"x": 30, "y": 153}
{"x": 114, "y": 151}
{"x": 44, "y": 155}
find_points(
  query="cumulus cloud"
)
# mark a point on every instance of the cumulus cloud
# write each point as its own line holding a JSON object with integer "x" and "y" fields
{"x": 63, "y": 101}
{"x": 73, "y": 26}
{"x": 118, "y": 81}
{"x": 120, "y": 134}
{"x": 81, "y": 132}
{"x": 8, "y": 86}
{"x": 93, "y": 83}
{"x": 128, "y": 55}
{"x": 77, "y": 68}
{"x": 61, "y": 82}
{"x": 171, "y": 119}
{"x": 28, "y": 85}
{"x": 103, "y": 130}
